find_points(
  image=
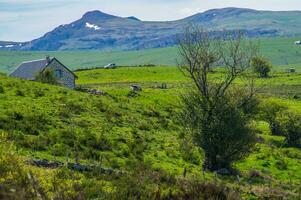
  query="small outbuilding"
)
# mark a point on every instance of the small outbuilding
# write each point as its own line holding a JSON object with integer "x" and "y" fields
{"x": 29, "y": 70}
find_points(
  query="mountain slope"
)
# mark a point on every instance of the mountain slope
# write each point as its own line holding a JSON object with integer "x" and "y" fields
{"x": 5, "y": 45}
{"x": 97, "y": 30}
{"x": 274, "y": 22}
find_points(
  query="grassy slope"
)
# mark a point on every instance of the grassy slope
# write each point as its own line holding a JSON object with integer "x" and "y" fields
{"x": 122, "y": 124}
{"x": 115, "y": 122}
{"x": 281, "y": 51}
{"x": 118, "y": 81}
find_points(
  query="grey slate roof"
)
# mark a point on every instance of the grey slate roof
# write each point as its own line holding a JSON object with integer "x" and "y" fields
{"x": 28, "y": 70}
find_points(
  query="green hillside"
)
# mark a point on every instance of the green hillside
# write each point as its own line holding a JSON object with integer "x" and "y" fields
{"x": 281, "y": 51}
{"x": 136, "y": 136}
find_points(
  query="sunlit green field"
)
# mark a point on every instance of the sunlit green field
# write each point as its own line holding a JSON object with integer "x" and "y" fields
{"x": 166, "y": 74}
{"x": 281, "y": 51}
{"x": 280, "y": 83}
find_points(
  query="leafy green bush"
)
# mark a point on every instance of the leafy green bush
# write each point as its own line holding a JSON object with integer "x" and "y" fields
{"x": 1, "y": 89}
{"x": 268, "y": 112}
{"x": 224, "y": 136}
{"x": 46, "y": 76}
{"x": 261, "y": 66}
{"x": 20, "y": 93}
{"x": 290, "y": 126}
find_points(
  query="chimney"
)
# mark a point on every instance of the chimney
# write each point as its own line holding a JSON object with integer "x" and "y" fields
{"x": 48, "y": 59}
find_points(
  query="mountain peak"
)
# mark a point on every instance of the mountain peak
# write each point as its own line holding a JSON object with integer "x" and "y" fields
{"x": 220, "y": 13}
{"x": 96, "y": 14}
{"x": 231, "y": 10}
{"x": 133, "y": 18}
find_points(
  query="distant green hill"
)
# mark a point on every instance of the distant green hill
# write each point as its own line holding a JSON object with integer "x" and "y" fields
{"x": 281, "y": 51}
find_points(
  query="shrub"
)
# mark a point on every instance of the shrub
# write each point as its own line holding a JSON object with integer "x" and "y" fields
{"x": 145, "y": 126}
{"x": 281, "y": 164}
{"x": 261, "y": 66}
{"x": 225, "y": 136}
{"x": 115, "y": 163}
{"x": 1, "y": 89}
{"x": 138, "y": 146}
{"x": 46, "y": 76}
{"x": 204, "y": 190}
{"x": 290, "y": 126}
{"x": 59, "y": 150}
{"x": 15, "y": 181}
{"x": 20, "y": 93}
{"x": 28, "y": 123}
{"x": 268, "y": 112}
{"x": 37, "y": 143}
{"x": 133, "y": 94}
{"x": 39, "y": 93}
{"x": 189, "y": 151}
{"x": 74, "y": 107}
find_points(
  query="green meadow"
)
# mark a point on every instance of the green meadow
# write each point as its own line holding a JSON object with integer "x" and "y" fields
{"x": 122, "y": 129}
{"x": 281, "y": 51}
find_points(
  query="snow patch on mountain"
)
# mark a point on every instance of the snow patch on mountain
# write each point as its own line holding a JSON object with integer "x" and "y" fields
{"x": 93, "y": 26}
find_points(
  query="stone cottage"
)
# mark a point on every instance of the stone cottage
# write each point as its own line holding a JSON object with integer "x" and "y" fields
{"x": 29, "y": 70}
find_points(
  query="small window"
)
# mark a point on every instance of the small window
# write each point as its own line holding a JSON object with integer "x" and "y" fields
{"x": 58, "y": 73}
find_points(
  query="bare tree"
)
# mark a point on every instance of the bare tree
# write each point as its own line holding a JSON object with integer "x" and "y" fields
{"x": 207, "y": 107}
{"x": 201, "y": 53}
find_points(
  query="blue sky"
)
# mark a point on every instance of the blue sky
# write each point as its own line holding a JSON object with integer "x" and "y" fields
{"x": 24, "y": 20}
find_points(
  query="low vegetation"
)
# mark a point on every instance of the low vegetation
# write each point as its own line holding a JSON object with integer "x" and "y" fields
{"x": 46, "y": 76}
{"x": 134, "y": 146}
{"x": 261, "y": 66}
